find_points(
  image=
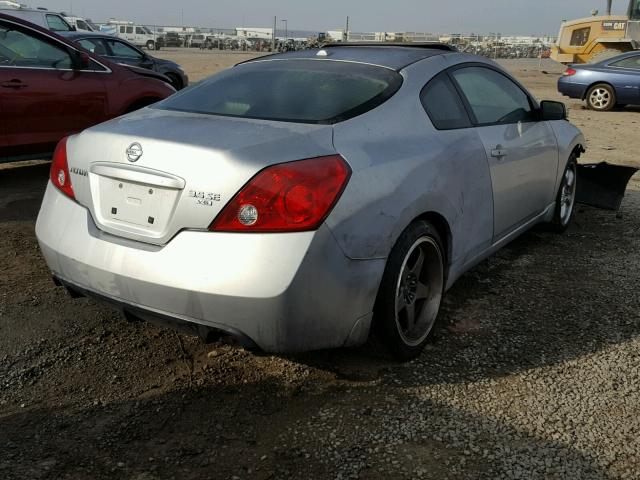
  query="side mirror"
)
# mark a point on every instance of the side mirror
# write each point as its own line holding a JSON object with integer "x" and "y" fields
{"x": 550, "y": 110}
{"x": 81, "y": 60}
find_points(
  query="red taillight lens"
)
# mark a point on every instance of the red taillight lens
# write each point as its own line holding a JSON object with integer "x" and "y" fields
{"x": 60, "y": 170}
{"x": 288, "y": 197}
{"x": 569, "y": 72}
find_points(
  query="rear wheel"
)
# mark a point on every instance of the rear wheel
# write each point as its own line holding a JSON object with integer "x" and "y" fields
{"x": 601, "y": 97}
{"x": 411, "y": 291}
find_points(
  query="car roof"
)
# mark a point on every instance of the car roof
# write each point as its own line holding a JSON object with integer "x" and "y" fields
{"x": 389, "y": 55}
{"x": 30, "y": 10}
{"x": 85, "y": 34}
{"x": 622, "y": 56}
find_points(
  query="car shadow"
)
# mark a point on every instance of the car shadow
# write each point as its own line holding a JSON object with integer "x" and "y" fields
{"x": 259, "y": 430}
{"x": 542, "y": 300}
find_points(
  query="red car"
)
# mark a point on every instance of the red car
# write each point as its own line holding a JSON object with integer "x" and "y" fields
{"x": 51, "y": 87}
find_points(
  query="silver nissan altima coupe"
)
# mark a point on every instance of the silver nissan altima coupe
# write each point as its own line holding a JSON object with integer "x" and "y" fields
{"x": 302, "y": 201}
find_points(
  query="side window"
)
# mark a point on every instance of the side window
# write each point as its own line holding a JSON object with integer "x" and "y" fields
{"x": 629, "y": 62}
{"x": 129, "y": 29}
{"x": 122, "y": 29}
{"x": 493, "y": 97}
{"x": 580, "y": 37}
{"x": 21, "y": 49}
{"x": 634, "y": 10}
{"x": 443, "y": 105}
{"x": 57, "y": 24}
{"x": 82, "y": 25}
{"x": 119, "y": 49}
{"x": 139, "y": 31}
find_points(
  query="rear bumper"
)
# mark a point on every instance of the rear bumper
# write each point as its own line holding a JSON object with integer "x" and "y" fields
{"x": 570, "y": 89}
{"x": 282, "y": 292}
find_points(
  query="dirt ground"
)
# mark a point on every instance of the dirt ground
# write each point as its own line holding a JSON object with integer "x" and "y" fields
{"x": 533, "y": 372}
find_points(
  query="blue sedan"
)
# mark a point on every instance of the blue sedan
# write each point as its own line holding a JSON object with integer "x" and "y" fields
{"x": 604, "y": 85}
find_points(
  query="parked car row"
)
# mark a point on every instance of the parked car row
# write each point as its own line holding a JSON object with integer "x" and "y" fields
{"x": 52, "y": 87}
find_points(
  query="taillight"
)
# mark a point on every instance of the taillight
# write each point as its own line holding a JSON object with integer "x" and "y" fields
{"x": 288, "y": 197}
{"x": 60, "y": 169}
{"x": 569, "y": 72}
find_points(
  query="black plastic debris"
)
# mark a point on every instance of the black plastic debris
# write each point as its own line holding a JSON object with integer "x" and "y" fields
{"x": 603, "y": 185}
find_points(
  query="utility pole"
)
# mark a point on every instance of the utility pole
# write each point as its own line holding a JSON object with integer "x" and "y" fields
{"x": 286, "y": 30}
{"x": 346, "y": 31}
{"x": 273, "y": 35}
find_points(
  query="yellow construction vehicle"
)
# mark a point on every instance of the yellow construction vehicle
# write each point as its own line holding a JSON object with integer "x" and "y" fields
{"x": 598, "y": 37}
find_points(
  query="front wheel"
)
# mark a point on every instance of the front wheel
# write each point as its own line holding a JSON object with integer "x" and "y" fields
{"x": 566, "y": 199}
{"x": 175, "y": 80}
{"x": 411, "y": 291}
{"x": 151, "y": 45}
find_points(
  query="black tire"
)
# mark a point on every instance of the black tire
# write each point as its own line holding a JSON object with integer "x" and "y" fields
{"x": 601, "y": 97}
{"x": 175, "y": 80}
{"x": 402, "y": 288}
{"x": 562, "y": 217}
{"x": 151, "y": 45}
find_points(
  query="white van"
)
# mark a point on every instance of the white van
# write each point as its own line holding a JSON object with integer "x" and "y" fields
{"x": 81, "y": 24}
{"x": 139, "y": 35}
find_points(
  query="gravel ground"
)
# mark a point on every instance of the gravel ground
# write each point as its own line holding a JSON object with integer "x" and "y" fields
{"x": 533, "y": 373}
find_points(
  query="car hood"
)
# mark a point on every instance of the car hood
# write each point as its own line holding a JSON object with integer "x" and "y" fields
{"x": 166, "y": 63}
{"x": 145, "y": 72}
{"x": 190, "y": 165}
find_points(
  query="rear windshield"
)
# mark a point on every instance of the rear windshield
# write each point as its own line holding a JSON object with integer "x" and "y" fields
{"x": 303, "y": 91}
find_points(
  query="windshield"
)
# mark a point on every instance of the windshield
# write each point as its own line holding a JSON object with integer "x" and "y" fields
{"x": 147, "y": 31}
{"x": 304, "y": 91}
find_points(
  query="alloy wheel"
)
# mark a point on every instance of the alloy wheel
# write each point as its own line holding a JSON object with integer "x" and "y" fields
{"x": 419, "y": 291}
{"x": 568, "y": 193}
{"x": 600, "y": 98}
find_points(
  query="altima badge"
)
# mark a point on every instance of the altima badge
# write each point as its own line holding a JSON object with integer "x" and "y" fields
{"x": 134, "y": 152}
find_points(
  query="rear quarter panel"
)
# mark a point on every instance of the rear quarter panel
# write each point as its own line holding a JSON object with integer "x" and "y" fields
{"x": 127, "y": 88}
{"x": 403, "y": 168}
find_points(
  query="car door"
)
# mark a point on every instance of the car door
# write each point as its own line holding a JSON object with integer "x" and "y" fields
{"x": 626, "y": 79}
{"x": 522, "y": 151}
{"x": 43, "y": 95}
{"x": 120, "y": 52}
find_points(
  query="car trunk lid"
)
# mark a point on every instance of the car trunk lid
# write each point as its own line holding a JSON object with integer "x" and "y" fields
{"x": 148, "y": 175}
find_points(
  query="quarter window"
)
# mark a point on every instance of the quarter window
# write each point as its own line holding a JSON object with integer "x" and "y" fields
{"x": 57, "y": 24}
{"x": 94, "y": 45}
{"x": 19, "y": 49}
{"x": 629, "y": 62}
{"x": 493, "y": 98}
{"x": 443, "y": 105}
{"x": 580, "y": 37}
{"x": 129, "y": 29}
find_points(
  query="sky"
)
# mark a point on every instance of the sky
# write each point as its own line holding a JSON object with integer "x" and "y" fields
{"x": 437, "y": 16}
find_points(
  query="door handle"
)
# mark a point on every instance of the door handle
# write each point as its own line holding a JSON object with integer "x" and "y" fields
{"x": 499, "y": 152}
{"x": 13, "y": 84}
